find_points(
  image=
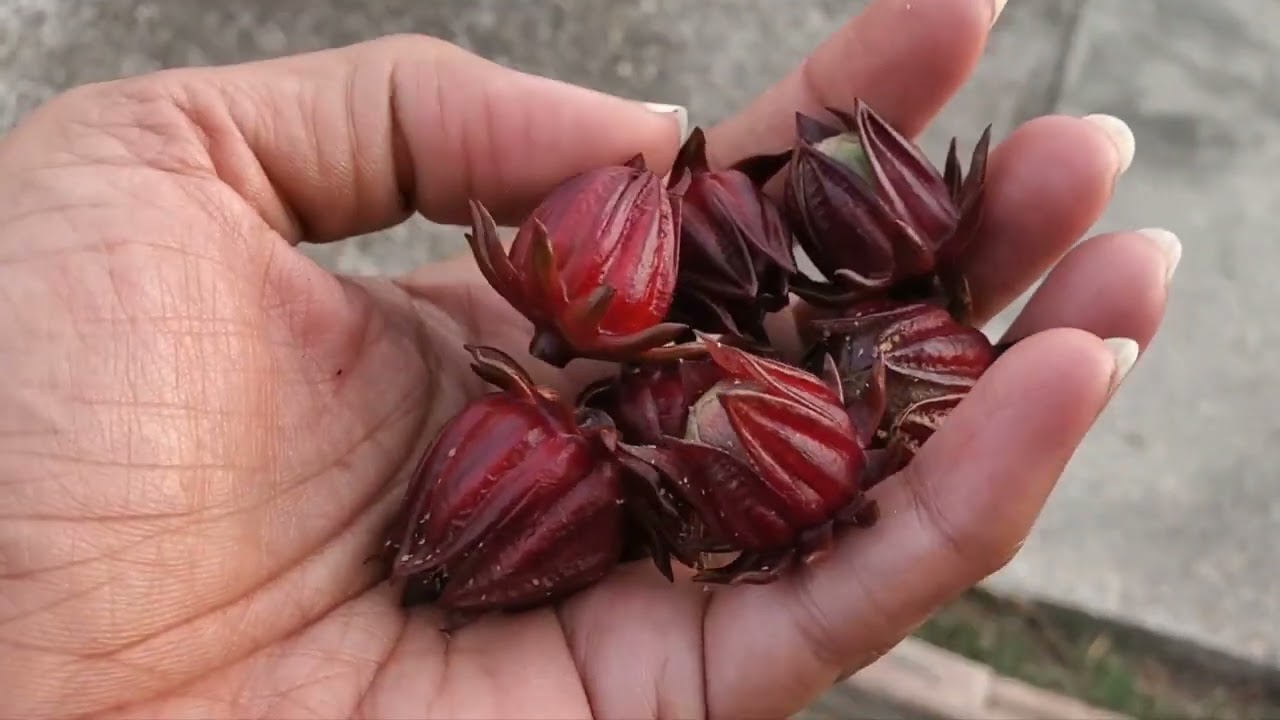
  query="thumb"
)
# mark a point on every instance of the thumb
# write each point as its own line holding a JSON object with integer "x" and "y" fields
{"x": 346, "y": 141}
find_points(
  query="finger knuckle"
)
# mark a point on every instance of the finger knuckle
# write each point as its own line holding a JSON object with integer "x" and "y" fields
{"x": 416, "y": 47}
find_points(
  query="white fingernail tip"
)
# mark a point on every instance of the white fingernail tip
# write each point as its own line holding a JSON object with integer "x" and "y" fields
{"x": 1170, "y": 246}
{"x": 1124, "y": 353}
{"x": 1120, "y": 134}
{"x": 681, "y": 114}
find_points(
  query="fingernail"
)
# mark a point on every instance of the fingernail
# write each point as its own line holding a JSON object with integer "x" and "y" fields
{"x": 1119, "y": 134}
{"x": 680, "y": 112}
{"x": 998, "y": 7}
{"x": 1170, "y": 246}
{"x": 1125, "y": 353}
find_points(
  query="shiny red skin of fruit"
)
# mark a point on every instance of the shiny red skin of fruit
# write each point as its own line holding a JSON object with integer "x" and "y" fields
{"x": 768, "y": 462}
{"x": 736, "y": 251}
{"x": 593, "y": 267}
{"x": 517, "y": 503}
{"x": 930, "y": 362}
{"x": 883, "y": 214}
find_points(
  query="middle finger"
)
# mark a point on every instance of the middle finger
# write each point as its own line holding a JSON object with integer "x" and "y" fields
{"x": 1047, "y": 184}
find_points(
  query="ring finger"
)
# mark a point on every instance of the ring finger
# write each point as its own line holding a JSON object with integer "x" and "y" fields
{"x": 1113, "y": 285}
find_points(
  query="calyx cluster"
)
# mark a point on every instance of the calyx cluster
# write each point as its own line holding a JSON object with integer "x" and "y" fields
{"x": 708, "y": 443}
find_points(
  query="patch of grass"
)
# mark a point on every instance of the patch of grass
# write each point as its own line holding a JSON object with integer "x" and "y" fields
{"x": 1110, "y": 666}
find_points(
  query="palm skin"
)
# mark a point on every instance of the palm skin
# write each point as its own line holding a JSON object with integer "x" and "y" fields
{"x": 203, "y": 433}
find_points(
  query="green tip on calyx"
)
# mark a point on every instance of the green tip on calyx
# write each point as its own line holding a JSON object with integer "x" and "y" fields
{"x": 846, "y": 150}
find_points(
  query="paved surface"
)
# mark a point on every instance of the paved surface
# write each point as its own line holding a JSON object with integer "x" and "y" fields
{"x": 918, "y": 681}
{"x": 1171, "y": 513}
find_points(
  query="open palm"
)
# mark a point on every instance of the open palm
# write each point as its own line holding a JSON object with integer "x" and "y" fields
{"x": 203, "y": 434}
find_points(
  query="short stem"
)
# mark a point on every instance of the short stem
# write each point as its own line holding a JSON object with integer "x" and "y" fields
{"x": 550, "y": 347}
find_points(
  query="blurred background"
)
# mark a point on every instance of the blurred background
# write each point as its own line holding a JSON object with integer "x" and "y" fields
{"x": 1169, "y": 518}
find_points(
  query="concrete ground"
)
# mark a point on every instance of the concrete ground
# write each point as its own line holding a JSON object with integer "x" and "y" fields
{"x": 1170, "y": 515}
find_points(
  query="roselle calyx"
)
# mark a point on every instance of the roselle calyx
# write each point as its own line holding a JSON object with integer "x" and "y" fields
{"x": 768, "y": 462}
{"x": 736, "y": 251}
{"x": 929, "y": 362}
{"x": 593, "y": 267}
{"x": 875, "y": 215}
{"x": 517, "y": 503}
{"x": 651, "y": 400}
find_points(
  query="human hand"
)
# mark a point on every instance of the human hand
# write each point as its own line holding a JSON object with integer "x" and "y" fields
{"x": 204, "y": 433}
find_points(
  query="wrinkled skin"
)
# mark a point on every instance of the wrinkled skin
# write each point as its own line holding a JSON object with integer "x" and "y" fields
{"x": 203, "y": 433}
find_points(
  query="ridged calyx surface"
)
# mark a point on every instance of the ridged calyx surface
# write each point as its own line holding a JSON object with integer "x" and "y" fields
{"x": 768, "y": 461}
{"x": 736, "y": 251}
{"x": 593, "y": 267}
{"x": 651, "y": 400}
{"x": 930, "y": 362}
{"x": 875, "y": 215}
{"x": 517, "y": 502}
